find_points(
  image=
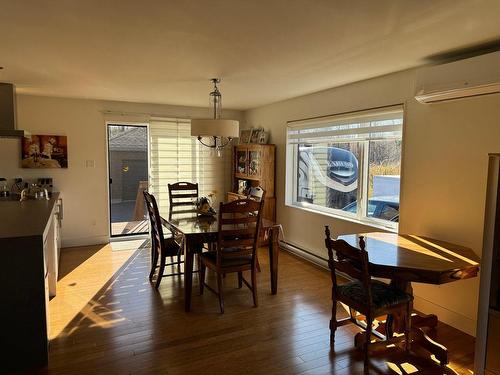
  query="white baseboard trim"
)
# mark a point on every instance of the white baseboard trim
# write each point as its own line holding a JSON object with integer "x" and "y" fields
{"x": 86, "y": 241}
{"x": 445, "y": 315}
{"x": 304, "y": 254}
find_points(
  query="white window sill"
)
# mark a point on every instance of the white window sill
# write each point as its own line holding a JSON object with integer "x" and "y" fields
{"x": 370, "y": 223}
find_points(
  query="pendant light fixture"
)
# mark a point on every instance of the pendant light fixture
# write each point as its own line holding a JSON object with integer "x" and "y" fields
{"x": 215, "y": 132}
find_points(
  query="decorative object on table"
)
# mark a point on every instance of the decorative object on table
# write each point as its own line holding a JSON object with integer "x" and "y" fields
{"x": 44, "y": 151}
{"x": 204, "y": 207}
{"x": 220, "y": 130}
{"x": 263, "y": 137}
{"x": 254, "y": 138}
{"x": 245, "y": 135}
{"x": 212, "y": 197}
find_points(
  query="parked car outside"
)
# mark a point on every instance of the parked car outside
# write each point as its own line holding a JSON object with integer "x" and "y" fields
{"x": 384, "y": 207}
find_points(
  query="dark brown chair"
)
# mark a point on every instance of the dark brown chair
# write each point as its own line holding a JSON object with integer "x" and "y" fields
{"x": 239, "y": 225}
{"x": 370, "y": 298}
{"x": 161, "y": 247}
{"x": 182, "y": 196}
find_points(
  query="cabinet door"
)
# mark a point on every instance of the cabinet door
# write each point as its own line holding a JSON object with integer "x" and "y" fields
{"x": 254, "y": 163}
{"x": 241, "y": 161}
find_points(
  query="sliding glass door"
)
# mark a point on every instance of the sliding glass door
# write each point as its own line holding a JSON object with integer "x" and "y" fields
{"x": 128, "y": 177}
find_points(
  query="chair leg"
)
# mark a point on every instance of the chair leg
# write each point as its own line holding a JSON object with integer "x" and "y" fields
{"x": 161, "y": 271}
{"x": 202, "y": 269}
{"x": 408, "y": 327}
{"x": 368, "y": 333}
{"x": 154, "y": 262}
{"x": 257, "y": 262}
{"x": 221, "y": 296}
{"x": 254, "y": 285}
{"x": 240, "y": 280}
{"x": 333, "y": 322}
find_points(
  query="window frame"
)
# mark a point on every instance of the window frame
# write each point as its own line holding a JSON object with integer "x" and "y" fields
{"x": 361, "y": 217}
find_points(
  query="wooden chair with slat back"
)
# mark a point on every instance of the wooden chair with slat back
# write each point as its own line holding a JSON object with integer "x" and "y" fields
{"x": 256, "y": 193}
{"x": 161, "y": 247}
{"x": 370, "y": 298}
{"x": 182, "y": 195}
{"x": 238, "y": 232}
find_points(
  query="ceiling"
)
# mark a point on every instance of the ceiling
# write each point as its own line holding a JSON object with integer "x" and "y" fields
{"x": 264, "y": 50}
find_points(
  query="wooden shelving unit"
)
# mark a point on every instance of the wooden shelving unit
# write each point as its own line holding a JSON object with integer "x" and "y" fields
{"x": 255, "y": 164}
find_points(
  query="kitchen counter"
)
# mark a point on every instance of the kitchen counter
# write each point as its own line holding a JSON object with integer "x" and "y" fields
{"x": 29, "y": 255}
{"x": 26, "y": 218}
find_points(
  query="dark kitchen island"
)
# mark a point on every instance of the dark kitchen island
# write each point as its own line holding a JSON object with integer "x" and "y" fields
{"x": 29, "y": 252}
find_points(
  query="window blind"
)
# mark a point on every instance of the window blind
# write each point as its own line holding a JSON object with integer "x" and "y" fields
{"x": 177, "y": 156}
{"x": 364, "y": 125}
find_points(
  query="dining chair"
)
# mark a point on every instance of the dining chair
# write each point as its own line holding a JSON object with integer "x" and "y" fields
{"x": 182, "y": 195}
{"x": 238, "y": 232}
{"x": 371, "y": 298}
{"x": 161, "y": 246}
{"x": 256, "y": 193}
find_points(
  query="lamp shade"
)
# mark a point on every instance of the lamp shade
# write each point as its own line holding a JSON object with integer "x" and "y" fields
{"x": 215, "y": 127}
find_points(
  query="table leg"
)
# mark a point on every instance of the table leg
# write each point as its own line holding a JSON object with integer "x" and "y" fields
{"x": 396, "y": 324}
{"x": 188, "y": 273}
{"x": 274, "y": 250}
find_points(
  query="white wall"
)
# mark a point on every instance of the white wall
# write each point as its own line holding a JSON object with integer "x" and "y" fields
{"x": 84, "y": 189}
{"x": 444, "y": 171}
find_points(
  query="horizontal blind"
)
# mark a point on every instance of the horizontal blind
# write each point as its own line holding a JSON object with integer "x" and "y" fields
{"x": 177, "y": 156}
{"x": 363, "y": 125}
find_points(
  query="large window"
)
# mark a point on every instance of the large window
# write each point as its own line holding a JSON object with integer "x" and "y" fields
{"x": 177, "y": 156}
{"x": 347, "y": 165}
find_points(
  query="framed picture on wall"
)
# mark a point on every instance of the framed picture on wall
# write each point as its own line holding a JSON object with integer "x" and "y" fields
{"x": 44, "y": 151}
{"x": 245, "y": 135}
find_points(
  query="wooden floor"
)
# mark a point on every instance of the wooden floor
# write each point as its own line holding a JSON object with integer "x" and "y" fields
{"x": 107, "y": 319}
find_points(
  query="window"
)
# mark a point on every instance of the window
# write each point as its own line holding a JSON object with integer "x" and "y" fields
{"x": 347, "y": 165}
{"x": 177, "y": 156}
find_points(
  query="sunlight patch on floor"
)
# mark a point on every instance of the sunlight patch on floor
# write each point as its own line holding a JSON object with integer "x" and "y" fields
{"x": 77, "y": 288}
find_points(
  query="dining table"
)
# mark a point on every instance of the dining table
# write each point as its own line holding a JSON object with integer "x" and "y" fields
{"x": 405, "y": 259}
{"x": 198, "y": 230}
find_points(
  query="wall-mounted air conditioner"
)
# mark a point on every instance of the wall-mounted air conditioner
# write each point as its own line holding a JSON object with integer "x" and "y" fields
{"x": 474, "y": 76}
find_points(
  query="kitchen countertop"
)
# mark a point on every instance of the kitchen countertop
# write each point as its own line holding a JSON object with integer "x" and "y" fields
{"x": 26, "y": 218}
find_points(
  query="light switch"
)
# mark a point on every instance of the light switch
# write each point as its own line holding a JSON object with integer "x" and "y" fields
{"x": 89, "y": 163}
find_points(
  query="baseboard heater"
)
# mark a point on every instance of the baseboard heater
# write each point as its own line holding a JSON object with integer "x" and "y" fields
{"x": 304, "y": 254}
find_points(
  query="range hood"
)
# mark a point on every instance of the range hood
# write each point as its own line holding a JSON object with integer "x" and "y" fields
{"x": 8, "y": 127}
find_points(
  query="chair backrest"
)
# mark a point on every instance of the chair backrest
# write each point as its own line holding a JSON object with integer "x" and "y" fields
{"x": 155, "y": 221}
{"x": 239, "y": 227}
{"x": 256, "y": 193}
{"x": 349, "y": 260}
{"x": 182, "y": 194}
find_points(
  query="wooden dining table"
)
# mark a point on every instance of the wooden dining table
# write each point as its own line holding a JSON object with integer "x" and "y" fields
{"x": 199, "y": 230}
{"x": 405, "y": 259}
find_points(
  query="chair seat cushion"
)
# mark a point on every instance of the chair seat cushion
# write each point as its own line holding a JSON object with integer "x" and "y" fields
{"x": 383, "y": 295}
{"x": 211, "y": 257}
